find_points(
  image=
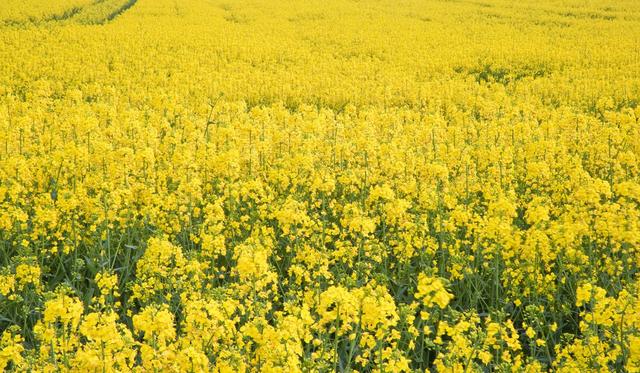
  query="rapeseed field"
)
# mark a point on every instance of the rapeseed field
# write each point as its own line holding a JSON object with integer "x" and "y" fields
{"x": 319, "y": 186}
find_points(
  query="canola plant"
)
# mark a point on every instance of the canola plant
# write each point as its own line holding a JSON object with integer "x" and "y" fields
{"x": 338, "y": 185}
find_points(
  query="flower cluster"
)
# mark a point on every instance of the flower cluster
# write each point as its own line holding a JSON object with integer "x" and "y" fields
{"x": 342, "y": 185}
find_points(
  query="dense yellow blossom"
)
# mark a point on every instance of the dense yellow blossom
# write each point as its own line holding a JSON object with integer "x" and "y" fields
{"x": 286, "y": 186}
{"x": 432, "y": 292}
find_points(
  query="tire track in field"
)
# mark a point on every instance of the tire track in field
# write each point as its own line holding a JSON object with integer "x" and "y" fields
{"x": 55, "y": 17}
{"x": 99, "y": 12}
{"x": 102, "y": 12}
{"x": 126, "y": 6}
